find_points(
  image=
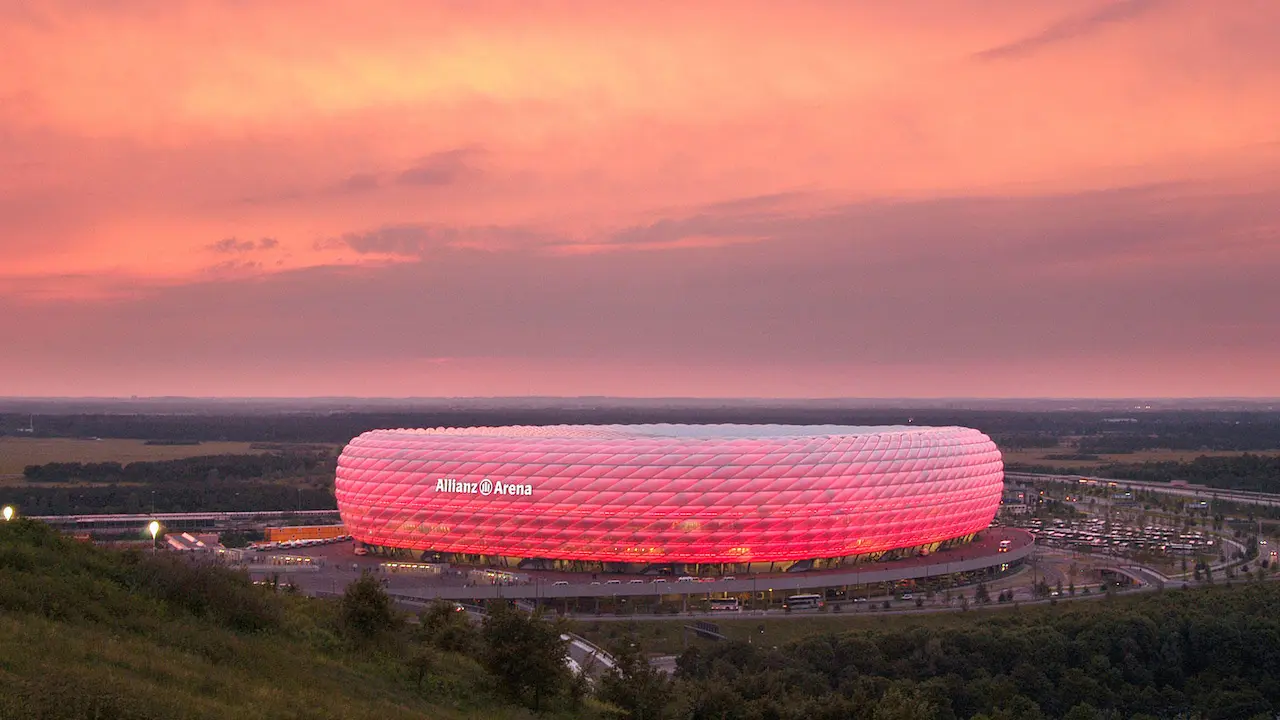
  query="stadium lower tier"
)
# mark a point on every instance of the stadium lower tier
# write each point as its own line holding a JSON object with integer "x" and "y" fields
{"x": 734, "y": 495}
{"x": 519, "y": 564}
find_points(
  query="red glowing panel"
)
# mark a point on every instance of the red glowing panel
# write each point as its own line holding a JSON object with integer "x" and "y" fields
{"x": 668, "y": 493}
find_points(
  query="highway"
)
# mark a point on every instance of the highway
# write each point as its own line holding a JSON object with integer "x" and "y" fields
{"x": 1200, "y": 492}
{"x": 183, "y": 521}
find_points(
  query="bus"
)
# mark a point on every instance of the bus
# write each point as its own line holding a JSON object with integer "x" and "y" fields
{"x": 726, "y": 604}
{"x": 803, "y": 602}
{"x": 1004, "y": 545}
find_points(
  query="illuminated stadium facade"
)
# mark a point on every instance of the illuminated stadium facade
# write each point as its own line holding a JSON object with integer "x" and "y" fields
{"x": 622, "y": 497}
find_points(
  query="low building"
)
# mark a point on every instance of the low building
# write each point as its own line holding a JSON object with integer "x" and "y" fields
{"x": 199, "y": 543}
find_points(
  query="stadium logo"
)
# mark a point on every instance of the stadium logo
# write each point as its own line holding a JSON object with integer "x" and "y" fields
{"x": 484, "y": 487}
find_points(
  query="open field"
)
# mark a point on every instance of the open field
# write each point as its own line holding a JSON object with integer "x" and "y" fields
{"x": 1037, "y": 456}
{"x": 667, "y": 637}
{"x": 16, "y": 453}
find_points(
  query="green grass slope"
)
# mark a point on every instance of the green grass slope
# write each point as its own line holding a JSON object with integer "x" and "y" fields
{"x": 91, "y": 633}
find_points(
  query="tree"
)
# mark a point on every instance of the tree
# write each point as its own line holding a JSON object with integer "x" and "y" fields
{"x": 420, "y": 663}
{"x": 526, "y": 654}
{"x": 447, "y": 627}
{"x": 981, "y": 595}
{"x": 899, "y": 703}
{"x": 633, "y": 684}
{"x": 1083, "y": 711}
{"x": 366, "y": 610}
{"x": 709, "y": 700}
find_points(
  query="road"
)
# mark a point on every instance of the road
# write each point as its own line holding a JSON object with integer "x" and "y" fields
{"x": 981, "y": 554}
{"x": 1199, "y": 492}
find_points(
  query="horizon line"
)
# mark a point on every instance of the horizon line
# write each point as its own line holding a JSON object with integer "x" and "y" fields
{"x": 701, "y": 398}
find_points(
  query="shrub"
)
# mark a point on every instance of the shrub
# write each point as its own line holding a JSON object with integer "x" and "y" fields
{"x": 366, "y": 610}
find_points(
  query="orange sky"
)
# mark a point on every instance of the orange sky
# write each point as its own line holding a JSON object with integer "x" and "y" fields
{"x": 952, "y": 198}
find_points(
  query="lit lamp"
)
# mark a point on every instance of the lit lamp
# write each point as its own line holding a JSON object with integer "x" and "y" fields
{"x": 8, "y": 513}
{"x": 154, "y": 528}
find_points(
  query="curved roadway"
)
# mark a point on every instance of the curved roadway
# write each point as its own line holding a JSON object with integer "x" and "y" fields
{"x": 982, "y": 554}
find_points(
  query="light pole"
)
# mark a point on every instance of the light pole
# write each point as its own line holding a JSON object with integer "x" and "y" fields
{"x": 154, "y": 529}
{"x": 8, "y": 513}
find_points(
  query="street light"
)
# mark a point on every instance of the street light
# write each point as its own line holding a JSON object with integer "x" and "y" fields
{"x": 8, "y": 513}
{"x": 154, "y": 529}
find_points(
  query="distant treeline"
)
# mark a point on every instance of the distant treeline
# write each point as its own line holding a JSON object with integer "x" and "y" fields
{"x": 1098, "y": 432}
{"x": 210, "y": 468}
{"x": 291, "y": 481}
{"x": 1192, "y": 436}
{"x": 198, "y": 497}
{"x": 1260, "y": 473}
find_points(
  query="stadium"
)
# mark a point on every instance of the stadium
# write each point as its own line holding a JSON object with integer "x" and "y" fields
{"x": 626, "y": 498}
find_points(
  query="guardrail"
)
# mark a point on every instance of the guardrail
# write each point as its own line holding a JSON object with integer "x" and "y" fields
{"x": 592, "y": 650}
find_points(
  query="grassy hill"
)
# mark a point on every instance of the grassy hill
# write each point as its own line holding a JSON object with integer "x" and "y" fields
{"x": 91, "y": 633}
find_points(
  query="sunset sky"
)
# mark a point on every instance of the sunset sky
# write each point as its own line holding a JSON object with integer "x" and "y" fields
{"x": 788, "y": 199}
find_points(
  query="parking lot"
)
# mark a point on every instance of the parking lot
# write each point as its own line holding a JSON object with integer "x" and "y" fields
{"x": 1095, "y": 534}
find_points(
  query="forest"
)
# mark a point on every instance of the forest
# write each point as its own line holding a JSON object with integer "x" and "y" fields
{"x": 210, "y": 468}
{"x": 1206, "y": 653}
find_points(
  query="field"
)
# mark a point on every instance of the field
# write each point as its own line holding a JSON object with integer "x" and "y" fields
{"x": 668, "y": 637}
{"x": 17, "y": 453}
{"x": 1037, "y": 456}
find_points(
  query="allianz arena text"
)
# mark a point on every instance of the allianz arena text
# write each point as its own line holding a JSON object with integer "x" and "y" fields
{"x": 646, "y": 494}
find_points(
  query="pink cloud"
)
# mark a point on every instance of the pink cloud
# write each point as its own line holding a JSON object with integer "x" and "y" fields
{"x": 719, "y": 185}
